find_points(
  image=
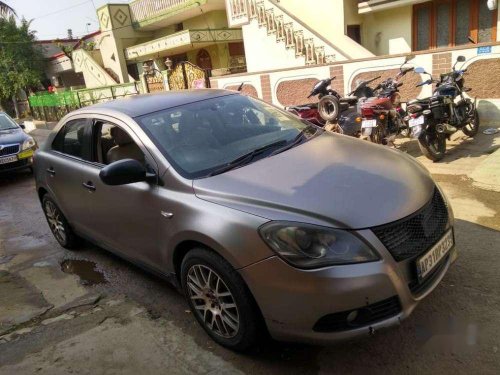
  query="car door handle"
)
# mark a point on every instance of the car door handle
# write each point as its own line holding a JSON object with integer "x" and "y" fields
{"x": 51, "y": 171}
{"x": 89, "y": 186}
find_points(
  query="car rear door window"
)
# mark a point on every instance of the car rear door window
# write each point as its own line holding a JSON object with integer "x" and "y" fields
{"x": 74, "y": 139}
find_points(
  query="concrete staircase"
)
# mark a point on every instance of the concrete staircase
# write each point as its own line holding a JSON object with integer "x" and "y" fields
{"x": 90, "y": 64}
{"x": 289, "y": 32}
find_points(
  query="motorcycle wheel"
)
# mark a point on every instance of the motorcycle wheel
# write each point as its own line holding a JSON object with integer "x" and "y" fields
{"x": 432, "y": 145}
{"x": 329, "y": 108}
{"x": 377, "y": 135}
{"x": 471, "y": 129}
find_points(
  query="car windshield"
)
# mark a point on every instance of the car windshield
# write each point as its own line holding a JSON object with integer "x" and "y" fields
{"x": 202, "y": 138}
{"x": 6, "y": 122}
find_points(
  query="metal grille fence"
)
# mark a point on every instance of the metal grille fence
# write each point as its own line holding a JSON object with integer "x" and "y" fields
{"x": 54, "y": 106}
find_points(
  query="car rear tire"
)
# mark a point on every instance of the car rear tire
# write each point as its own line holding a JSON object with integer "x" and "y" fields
{"x": 220, "y": 300}
{"x": 58, "y": 224}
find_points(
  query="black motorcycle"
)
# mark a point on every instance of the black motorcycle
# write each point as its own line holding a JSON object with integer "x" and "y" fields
{"x": 433, "y": 120}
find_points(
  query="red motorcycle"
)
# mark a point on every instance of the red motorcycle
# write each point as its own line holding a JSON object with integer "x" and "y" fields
{"x": 333, "y": 108}
{"x": 382, "y": 115}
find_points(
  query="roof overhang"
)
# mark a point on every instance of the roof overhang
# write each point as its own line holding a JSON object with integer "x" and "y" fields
{"x": 371, "y": 6}
{"x": 180, "y": 42}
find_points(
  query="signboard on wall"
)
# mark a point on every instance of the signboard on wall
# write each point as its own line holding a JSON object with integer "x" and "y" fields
{"x": 483, "y": 50}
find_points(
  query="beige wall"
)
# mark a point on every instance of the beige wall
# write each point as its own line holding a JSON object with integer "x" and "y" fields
{"x": 388, "y": 32}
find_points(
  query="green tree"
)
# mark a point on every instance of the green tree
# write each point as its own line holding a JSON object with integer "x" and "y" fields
{"x": 21, "y": 60}
{"x": 5, "y": 10}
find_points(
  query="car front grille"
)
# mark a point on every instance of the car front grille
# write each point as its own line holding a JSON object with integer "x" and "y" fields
{"x": 416, "y": 233}
{"x": 360, "y": 317}
{"x": 9, "y": 150}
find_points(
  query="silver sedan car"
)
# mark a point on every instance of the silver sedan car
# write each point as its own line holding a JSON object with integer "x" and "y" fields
{"x": 266, "y": 223}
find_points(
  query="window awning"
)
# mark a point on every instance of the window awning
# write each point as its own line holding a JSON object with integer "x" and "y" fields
{"x": 182, "y": 41}
{"x": 371, "y": 6}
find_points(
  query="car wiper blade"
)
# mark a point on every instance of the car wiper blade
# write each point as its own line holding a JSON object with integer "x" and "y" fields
{"x": 299, "y": 138}
{"x": 246, "y": 158}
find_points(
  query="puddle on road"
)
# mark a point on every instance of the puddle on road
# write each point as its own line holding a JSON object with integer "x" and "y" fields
{"x": 85, "y": 270}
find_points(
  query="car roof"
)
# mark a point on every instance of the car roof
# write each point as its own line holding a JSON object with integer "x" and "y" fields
{"x": 138, "y": 105}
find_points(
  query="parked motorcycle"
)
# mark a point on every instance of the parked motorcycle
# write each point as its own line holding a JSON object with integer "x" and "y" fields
{"x": 433, "y": 120}
{"x": 333, "y": 108}
{"x": 383, "y": 115}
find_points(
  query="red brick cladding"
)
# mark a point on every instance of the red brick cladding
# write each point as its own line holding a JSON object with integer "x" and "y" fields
{"x": 295, "y": 92}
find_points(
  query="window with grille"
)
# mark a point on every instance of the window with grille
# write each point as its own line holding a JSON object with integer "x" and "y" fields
{"x": 447, "y": 23}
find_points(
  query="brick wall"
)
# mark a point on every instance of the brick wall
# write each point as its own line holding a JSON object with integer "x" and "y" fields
{"x": 441, "y": 63}
{"x": 337, "y": 71}
{"x": 265, "y": 83}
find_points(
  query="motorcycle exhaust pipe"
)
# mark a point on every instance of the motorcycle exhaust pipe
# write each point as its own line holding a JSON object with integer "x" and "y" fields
{"x": 445, "y": 128}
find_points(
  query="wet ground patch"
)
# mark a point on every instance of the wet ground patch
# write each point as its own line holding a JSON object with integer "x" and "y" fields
{"x": 85, "y": 270}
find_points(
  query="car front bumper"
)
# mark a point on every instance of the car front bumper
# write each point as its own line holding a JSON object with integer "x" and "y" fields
{"x": 25, "y": 160}
{"x": 293, "y": 301}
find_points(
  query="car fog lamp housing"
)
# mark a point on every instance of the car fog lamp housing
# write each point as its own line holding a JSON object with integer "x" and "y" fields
{"x": 310, "y": 246}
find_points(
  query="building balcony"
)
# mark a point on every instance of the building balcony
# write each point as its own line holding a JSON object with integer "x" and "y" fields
{"x": 155, "y": 14}
{"x": 182, "y": 41}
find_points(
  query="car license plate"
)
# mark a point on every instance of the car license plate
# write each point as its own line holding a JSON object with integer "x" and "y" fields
{"x": 427, "y": 262}
{"x": 9, "y": 159}
{"x": 369, "y": 124}
{"x": 416, "y": 121}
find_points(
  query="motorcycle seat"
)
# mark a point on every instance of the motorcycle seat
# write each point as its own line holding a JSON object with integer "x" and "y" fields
{"x": 417, "y": 101}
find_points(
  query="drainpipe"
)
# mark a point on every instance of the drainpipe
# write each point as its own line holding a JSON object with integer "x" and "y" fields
{"x": 144, "y": 83}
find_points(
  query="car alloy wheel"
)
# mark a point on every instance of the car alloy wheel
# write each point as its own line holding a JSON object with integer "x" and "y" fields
{"x": 54, "y": 217}
{"x": 213, "y": 301}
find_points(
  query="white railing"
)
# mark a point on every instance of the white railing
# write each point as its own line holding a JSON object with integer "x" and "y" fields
{"x": 144, "y": 9}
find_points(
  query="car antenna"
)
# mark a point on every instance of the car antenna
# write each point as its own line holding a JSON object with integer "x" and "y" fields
{"x": 240, "y": 87}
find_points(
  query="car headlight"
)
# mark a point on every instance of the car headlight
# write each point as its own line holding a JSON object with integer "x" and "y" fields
{"x": 311, "y": 246}
{"x": 28, "y": 143}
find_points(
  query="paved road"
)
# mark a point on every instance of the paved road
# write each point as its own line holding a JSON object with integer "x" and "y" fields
{"x": 54, "y": 322}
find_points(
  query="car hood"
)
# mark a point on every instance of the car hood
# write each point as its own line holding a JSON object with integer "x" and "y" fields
{"x": 12, "y": 136}
{"x": 332, "y": 180}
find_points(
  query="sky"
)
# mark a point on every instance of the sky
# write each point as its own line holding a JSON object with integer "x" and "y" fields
{"x": 53, "y": 18}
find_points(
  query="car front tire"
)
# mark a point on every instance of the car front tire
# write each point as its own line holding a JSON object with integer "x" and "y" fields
{"x": 220, "y": 300}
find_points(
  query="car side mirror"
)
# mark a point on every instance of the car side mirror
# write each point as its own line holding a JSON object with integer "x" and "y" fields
{"x": 461, "y": 59}
{"x": 22, "y": 126}
{"x": 123, "y": 172}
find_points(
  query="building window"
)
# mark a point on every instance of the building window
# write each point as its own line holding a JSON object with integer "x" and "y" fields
{"x": 446, "y": 23}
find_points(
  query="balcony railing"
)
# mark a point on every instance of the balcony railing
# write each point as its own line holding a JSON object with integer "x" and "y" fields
{"x": 145, "y": 9}
{"x": 186, "y": 39}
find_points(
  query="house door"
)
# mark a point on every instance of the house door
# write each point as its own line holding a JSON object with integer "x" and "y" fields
{"x": 204, "y": 60}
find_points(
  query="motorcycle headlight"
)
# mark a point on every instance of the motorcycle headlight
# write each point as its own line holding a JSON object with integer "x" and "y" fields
{"x": 28, "y": 143}
{"x": 310, "y": 246}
